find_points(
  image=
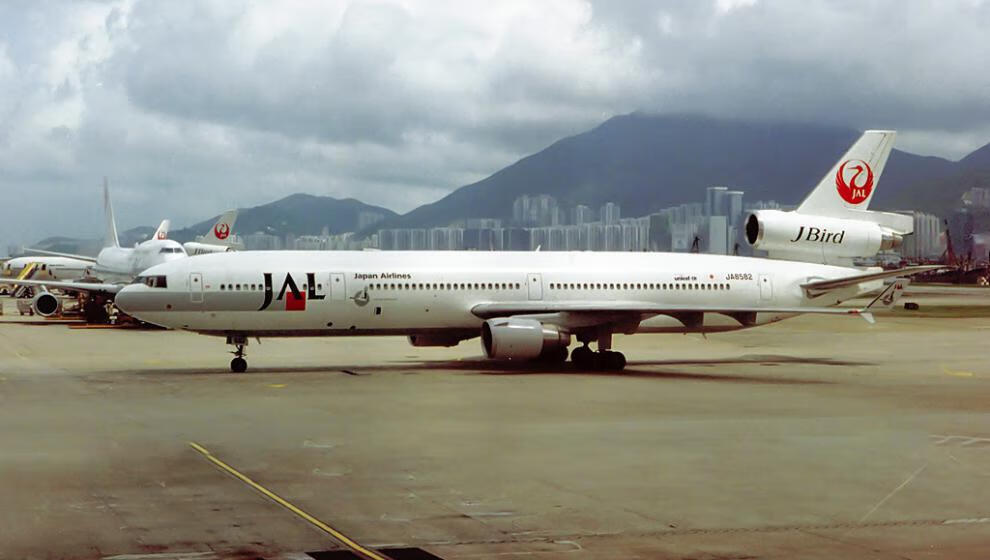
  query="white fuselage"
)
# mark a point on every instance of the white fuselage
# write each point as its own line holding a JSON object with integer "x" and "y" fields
{"x": 124, "y": 263}
{"x": 49, "y": 267}
{"x": 331, "y": 293}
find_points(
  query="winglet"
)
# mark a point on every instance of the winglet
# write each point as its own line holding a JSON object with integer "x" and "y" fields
{"x": 866, "y": 315}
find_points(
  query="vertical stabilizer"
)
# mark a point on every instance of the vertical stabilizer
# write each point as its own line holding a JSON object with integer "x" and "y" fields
{"x": 220, "y": 234}
{"x": 162, "y": 231}
{"x": 110, "y": 237}
{"x": 852, "y": 181}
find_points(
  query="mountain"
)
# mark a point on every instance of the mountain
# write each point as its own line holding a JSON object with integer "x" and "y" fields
{"x": 299, "y": 214}
{"x": 980, "y": 159}
{"x": 648, "y": 162}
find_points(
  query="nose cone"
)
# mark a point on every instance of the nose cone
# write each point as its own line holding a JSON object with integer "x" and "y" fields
{"x": 127, "y": 298}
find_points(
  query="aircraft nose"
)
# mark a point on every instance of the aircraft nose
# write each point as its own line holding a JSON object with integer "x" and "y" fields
{"x": 125, "y": 299}
{"x": 134, "y": 299}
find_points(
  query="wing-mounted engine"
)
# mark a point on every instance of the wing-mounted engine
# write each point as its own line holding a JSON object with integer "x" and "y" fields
{"x": 516, "y": 338}
{"x": 820, "y": 239}
{"x": 46, "y": 304}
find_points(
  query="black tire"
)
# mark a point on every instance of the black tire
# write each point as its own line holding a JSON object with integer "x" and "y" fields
{"x": 583, "y": 358}
{"x": 238, "y": 365}
{"x": 613, "y": 361}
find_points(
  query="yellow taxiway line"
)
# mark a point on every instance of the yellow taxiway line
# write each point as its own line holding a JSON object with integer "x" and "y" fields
{"x": 354, "y": 546}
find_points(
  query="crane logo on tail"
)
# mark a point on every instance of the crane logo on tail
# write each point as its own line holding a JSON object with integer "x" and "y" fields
{"x": 222, "y": 231}
{"x": 854, "y": 181}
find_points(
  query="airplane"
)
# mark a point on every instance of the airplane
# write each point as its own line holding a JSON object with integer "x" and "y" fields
{"x": 529, "y": 305}
{"x": 62, "y": 268}
{"x": 113, "y": 264}
{"x": 56, "y": 268}
{"x": 217, "y": 240}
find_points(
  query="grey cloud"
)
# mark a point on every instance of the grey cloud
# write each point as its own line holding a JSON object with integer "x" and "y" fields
{"x": 192, "y": 107}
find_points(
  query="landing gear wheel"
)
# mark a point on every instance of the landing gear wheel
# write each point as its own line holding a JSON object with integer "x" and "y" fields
{"x": 612, "y": 361}
{"x": 238, "y": 365}
{"x": 583, "y": 358}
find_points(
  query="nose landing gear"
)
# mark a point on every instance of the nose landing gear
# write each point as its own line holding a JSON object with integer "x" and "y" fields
{"x": 238, "y": 364}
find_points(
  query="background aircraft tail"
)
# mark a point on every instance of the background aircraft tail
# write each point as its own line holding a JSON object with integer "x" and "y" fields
{"x": 110, "y": 237}
{"x": 162, "y": 231}
{"x": 847, "y": 188}
{"x": 220, "y": 234}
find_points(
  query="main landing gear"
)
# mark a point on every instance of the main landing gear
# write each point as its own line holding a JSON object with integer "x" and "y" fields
{"x": 238, "y": 364}
{"x": 605, "y": 359}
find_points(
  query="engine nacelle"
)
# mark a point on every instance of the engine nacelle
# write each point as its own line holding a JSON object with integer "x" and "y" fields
{"x": 46, "y": 304}
{"x": 791, "y": 233}
{"x": 435, "y": 340}
{"x": 194, "y": 248}
{"x": 521, "y": 339}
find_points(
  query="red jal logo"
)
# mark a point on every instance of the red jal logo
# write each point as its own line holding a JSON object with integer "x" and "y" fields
{"x": 851, "y": 183}
{"x": 161, "y": 235}
{"x": 223, "y": 230}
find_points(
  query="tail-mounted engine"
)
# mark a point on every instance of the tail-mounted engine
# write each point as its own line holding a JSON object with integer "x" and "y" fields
{"x": 817, "y": 238}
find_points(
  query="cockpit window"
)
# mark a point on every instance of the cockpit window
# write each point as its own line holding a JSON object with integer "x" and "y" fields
{"x": 152, "y": 281}
{"x": 171, "y": 250}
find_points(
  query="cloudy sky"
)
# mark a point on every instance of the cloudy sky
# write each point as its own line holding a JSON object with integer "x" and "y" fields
{"x": 193, "y": 107}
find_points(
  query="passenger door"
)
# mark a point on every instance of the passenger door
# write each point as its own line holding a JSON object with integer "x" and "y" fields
{"x": 196, "y": 287}
{"x": 766, "y": 287}
{"x": 535, "y": 283}
{"x": 338, "y": 291}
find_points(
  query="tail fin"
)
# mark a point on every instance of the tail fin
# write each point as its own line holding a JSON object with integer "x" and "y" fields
{"x": 220, "y": 234}
{"x": 110, "y": 236}
{"x": 162, "y": 231}
{"x": 850, "y": 184}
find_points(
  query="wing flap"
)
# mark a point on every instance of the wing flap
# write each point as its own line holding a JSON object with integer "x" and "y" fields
{"x": 817, "y": 288}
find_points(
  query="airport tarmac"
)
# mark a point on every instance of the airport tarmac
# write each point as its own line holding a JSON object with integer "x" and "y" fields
{"x": 818, "y": 437}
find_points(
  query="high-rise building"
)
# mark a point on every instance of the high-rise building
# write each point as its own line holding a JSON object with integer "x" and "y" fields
{"x": 539, "y": 210}
{"x": 734, "y": 207}
{"x": 582, "y": 215}
{"x": 367, "y": 218}
{"x": 610, "y": 213}
{"x": 714, "y": 235}
{"x": 925, "y": 242}
{"x": 715, "y": 201}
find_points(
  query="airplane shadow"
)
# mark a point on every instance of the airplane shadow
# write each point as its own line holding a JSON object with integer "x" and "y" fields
{"x": 40, "y": 323}
{"x": 481, "y": 366}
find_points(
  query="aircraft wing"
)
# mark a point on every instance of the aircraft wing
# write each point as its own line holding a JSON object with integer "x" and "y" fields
{"x": 68, "y": 285}
{"x": 585, "y": 314}
{"x": 815, "y": 289}
{"x": 489, "y": 310}
{"x": 57, "y": 254}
